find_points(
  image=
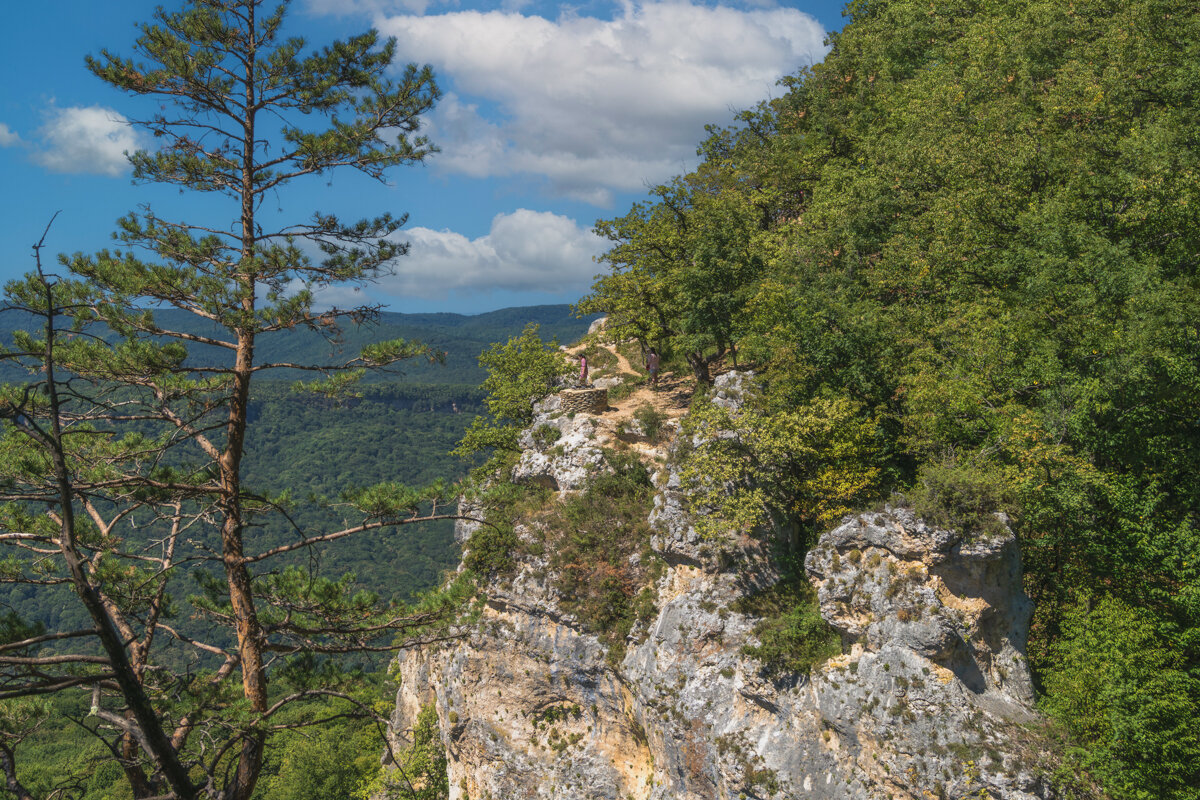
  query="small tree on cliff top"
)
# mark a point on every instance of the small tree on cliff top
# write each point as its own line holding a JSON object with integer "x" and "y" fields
{"x": 520, "y": 372}
{"x": 682, "y": 269}
{"x": 123, "y": 463}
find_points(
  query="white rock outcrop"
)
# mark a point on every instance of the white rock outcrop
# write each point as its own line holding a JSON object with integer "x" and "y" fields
{"x": 559, "y": 449}
{"x": 930, "y": 697}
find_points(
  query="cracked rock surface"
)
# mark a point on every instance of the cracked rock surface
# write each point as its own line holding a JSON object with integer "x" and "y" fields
{"x": 930, "y": 697}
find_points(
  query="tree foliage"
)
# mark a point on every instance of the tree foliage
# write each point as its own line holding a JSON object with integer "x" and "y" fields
{"x": 125, "y": 463}
{"x": 682, "y": 271}
{"x": 977, "y": 232}
{"x": 419, "y": 771}
{"x": 520, "y": 372}
{"x": 1123, "y": 688}
{"x": 812, "y": 463}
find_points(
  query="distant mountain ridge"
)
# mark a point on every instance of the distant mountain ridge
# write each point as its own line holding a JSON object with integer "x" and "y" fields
{"x": 461, "y": 337}
{"x": 401, "y": 428}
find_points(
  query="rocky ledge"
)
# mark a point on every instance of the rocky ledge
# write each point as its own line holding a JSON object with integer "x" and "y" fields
{"x": 929, "y": 698}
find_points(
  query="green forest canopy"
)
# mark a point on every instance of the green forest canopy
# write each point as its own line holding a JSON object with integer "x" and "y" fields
{"x": 972, "y": 231}
{"x": 975, "y": 224}
{"x": 401, "y": 428}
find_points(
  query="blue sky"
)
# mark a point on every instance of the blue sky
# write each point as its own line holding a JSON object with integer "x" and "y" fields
{"x": 553, "y": 115}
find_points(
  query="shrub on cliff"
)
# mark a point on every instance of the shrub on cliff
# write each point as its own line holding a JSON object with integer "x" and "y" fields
{"x": 520, "y": 372}
{"x": 813, "y": 462}
{"x": 599, "y": 546}
{"x": 419, "y": 771}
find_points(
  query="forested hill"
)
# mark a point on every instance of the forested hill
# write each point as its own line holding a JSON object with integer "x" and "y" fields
{"x": 460, "y": 337}
{"x": 964, "y": 250}
{"x": 399, "y": 427}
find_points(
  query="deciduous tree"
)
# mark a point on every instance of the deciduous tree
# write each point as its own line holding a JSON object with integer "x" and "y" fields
{"x": 682, "y": 271}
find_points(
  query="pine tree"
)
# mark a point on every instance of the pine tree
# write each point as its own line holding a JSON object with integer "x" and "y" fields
{"x": 124, "y": 458}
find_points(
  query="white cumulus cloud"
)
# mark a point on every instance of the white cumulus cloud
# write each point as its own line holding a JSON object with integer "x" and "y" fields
{"x": 7, "y": 136}
{"x": 592, "y": 104}
{"x": 523, "y": 251}
{"x": 90, "y": 140}
{"x": 370, "y": 7}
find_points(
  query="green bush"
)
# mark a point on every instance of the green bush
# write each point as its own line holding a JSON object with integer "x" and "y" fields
{"x": 422, "y": 773}
{"x": 594, "y": 535}
{"x": 490, "y": 549}
{"x": 813, "y": 461}
{"x": 960, "y": 497}
{"x": 651, "y": 420}
{"x": 794, "y": 635}
{"x": 520, "y": 372}
{"x": 546, "y": 435}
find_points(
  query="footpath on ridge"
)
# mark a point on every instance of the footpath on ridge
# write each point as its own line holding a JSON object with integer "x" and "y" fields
{"x": 671, "y": 397}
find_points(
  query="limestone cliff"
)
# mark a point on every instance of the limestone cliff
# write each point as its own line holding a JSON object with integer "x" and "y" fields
{"x": 929, "y": 698}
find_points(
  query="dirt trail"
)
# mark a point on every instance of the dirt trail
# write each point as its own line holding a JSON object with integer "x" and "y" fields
{"x": 671, "y": 397}
{"x": 623, "y": 365}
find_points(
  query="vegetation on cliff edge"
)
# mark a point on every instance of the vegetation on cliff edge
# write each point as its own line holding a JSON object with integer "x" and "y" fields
{"x": 973, "y": 228}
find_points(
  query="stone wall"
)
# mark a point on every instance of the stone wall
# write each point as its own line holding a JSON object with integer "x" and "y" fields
{"x": 590, "y": 401}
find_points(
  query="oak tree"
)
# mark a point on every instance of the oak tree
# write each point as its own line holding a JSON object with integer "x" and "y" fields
{"x": 681, "y": 271}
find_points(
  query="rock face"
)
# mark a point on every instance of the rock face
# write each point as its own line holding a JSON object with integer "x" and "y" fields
{"x": 559, "y": 449}
{"x": 889, "y": 582}
{"x": 927, "y": 700}
{"x": 933, "y": 688}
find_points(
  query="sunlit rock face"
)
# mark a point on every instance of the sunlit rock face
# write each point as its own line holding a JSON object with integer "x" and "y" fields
{"x": 932, "y": 692}
{"x": 887, "y": 580}
{"x": 560, "y": 450}
{"x": 930, "y": 697}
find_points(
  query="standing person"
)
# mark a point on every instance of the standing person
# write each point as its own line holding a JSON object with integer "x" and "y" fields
{"x": 652, "y": 366}
{"x": 583, "y": 380}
